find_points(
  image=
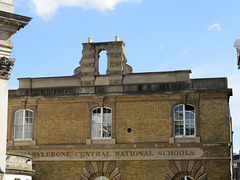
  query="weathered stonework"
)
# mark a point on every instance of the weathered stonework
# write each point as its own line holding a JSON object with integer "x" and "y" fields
{"x": 5, "y": 66}
{"x": 142, "y": 145}
{"x": 9, "y": 24}
{"x": 116, "y": 65}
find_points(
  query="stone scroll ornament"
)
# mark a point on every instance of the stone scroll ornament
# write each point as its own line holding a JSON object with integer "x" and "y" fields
{"x": 5, "y": 66}
{"x": 237, "y": 46}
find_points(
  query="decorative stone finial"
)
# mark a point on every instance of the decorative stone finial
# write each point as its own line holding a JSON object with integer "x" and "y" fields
{"x": 116, "y": 38}
{"x": 90, "y": 40}
{"x": 5, "y": 66}
{"x": 237, "y": 46}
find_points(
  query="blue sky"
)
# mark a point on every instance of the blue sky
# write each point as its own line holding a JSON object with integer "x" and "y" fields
{"x": 160, "y": 35}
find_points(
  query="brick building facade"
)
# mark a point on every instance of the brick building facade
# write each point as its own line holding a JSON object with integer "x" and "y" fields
{"x": 122, "y": 125}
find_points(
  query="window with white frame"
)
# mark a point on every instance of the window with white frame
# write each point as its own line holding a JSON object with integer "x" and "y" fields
{"x": 184, "y": 120}
{"x": 185, "y": 178}
{"x": 23, "y": 122}
{"x": 101, "y": 123}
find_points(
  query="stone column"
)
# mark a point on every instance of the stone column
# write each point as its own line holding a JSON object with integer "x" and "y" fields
{"x": 5, "y": 66}
{"x": 9, "y": 24}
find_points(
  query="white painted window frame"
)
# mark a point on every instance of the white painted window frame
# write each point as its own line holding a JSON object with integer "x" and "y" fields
{"x": 185, "y": 178}
{"x": 23, "y": 125}
{"x": 97, "y": 138}
{"x": 184, "y": 121}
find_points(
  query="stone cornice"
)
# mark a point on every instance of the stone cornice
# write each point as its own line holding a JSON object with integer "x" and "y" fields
{"x": 14, "y": 21}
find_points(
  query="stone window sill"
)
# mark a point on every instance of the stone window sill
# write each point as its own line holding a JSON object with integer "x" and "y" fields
{"x": 21, "y": 143}
{"x": 100, "y": 141}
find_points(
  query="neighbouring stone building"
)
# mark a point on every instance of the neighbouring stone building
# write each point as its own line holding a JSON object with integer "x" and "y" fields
{"x": 122, "y": 125}
{"x": 10, "y": 23}
{"x": 18, "y": 167}
{"x": 237, "y": 46}
{"x": 236, "y": 166}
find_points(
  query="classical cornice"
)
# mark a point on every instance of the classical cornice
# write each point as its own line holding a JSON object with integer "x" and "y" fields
{"x": 5, "y": 66}
{"x": 13, "y": 21}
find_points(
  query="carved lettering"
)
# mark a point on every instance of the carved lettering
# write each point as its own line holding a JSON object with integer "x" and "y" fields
{"x": 117, "y": 154}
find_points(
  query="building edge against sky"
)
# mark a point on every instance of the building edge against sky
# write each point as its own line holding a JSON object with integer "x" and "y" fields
{"x": 97, "y": 125}
{"x": 89, "y": 77}
{"x": 9, "y": 24}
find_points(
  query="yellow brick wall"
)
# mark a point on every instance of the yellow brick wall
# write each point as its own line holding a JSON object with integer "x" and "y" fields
{"x": 67, "y": 119}
{"x": 62, "y": 123}
{"x": 129, "y": 170}
{"x": 214, "y": 119}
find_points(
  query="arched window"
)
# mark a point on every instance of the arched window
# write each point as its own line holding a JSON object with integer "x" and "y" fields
{"x": 23, "y": 122}
{"x": 185, "y": 178}
{"x": 101, "y": 178}
{"x": 101, "y": 123}
{"x": 184, "y": 120}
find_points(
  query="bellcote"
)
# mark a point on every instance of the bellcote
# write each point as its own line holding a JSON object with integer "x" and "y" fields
{"x": 116, "y": 62}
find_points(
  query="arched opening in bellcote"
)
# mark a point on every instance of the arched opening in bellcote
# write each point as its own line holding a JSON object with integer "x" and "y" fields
{"x": 102, "y": 62}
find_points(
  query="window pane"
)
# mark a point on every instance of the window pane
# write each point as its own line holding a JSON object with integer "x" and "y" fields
{"x": 28, "y": 121}
{"x": 180, "y": 107}
{"x": 178, "y": 116}
{"x": 96, "y": 116}
{"x": 29, "y": 113}
{"x": 192, "y": 131}
{"x": 18, "y": 132}
{"x": 178, "y": 128}
{"x": 19, "y": 117}
{"x": 191, "y": 115}
{"x": 107, "y": 116}
{"x": 107, "y": 130}
{"x": 189, "y": 108}
{"x": 96, "y": 130}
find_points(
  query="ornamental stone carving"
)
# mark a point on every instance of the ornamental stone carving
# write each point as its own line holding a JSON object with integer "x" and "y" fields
{"x": 237, "y": 46}
{"x": 5, "y": 66}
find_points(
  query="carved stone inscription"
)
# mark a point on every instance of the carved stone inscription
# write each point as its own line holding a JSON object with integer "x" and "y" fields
{"x": 114, "y": 154}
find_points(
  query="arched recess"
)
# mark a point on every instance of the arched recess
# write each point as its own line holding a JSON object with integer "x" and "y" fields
{"x": 103, "y": 63}
{"x": 177, "y": 169}
{"x": 94, "y": 169}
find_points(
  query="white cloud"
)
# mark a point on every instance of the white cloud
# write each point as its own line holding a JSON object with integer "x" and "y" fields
{"x": 47, "y": 8}
{"x": 215, "y": 27}
{"x": 160, "y": 48}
